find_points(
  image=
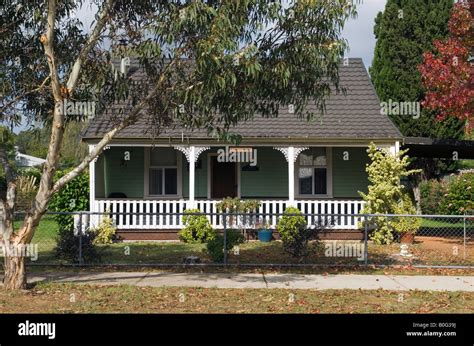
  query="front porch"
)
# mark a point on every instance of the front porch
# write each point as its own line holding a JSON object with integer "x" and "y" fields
{"x": 143, "y": 185}
{"x": 134, "y": 214}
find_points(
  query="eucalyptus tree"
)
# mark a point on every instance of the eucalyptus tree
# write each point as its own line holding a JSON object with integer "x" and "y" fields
{"x": 207, "y": 64}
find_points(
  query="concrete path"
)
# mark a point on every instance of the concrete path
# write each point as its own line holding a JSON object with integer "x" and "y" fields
{"x": 288, "y": 281}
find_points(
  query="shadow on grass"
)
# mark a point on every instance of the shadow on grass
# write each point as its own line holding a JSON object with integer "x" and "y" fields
{"x": 425, "y": 251}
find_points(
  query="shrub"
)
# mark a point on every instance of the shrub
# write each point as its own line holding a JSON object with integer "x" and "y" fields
{"x": 215, "y": 247}
{"x": 294, "y": 233}
{"x": 228, "y": 205}
{"x": 197, "y": 228}
{"x": 432, "y": 194}
{"x": 32, "y": 172}
{"x": 243, "y": 207}
{"x": 104, "y": 233}
{"x": 26, "y": 191}
{"x": 67, "y": 246}
{"x": 405, "y": 224}
{"x": 73, "y": 197}
{"x": 386, "y": 191}
{"x": 459, "y": 198}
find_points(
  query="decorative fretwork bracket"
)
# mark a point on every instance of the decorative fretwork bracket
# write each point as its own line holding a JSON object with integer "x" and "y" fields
{"x": 187, "y": 151}
{"x": 297, "y": 151}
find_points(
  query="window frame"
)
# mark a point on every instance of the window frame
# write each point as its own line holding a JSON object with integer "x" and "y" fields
{"x": 148, "y": 167}
{"x": 328, "y": 167}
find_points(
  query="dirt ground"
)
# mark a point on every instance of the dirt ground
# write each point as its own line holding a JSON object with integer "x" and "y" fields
{"x": 444, "y": 243}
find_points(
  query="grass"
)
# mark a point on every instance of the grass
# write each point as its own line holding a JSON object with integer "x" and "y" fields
{"x": 466, "y": 164}
{"x": 440, "y": 251}
{"x": 45, "y": 236}
{"x": 74, "y": 298}
{"x": 147, "y": 252}
{"x": 456, "y": 223}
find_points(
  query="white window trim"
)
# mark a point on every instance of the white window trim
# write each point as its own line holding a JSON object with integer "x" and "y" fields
{"x": 329, "y": 178}
{"x": 179, "y": 166}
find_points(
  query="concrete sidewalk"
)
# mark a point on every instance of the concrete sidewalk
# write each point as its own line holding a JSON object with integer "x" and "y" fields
{"x": 287, "y": 281}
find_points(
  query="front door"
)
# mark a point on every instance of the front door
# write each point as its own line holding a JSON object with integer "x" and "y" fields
{"x": 223, "y": 179}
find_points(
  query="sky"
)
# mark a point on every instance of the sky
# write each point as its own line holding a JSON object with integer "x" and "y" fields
{"x": 360, "y": 31}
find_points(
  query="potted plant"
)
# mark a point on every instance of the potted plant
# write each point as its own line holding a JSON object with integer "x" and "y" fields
{"x": 406, "y": 227}
{"x": 264, "y": 231}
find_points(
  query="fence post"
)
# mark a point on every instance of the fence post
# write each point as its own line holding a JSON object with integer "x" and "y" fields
{"x": 225, "y": 238}
{"x": 464, "y": 220}
{"x": 81, "y": 260}
{"x": 366, "y": 250}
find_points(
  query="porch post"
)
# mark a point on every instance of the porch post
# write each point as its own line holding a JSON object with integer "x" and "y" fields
{"x": 192, "y": 154}
{"x": 192, "y": 170}
{"x": 291, "y": 176}
{"x": 291, "y": 154}
{"x": 92, "y": 186}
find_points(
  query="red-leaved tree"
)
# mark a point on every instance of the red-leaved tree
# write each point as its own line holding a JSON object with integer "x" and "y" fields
{"x": 447, "y": 74}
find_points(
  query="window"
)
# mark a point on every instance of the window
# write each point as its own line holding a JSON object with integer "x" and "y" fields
{"x": 163, "y": 172}
{"x": 312, "y": 172}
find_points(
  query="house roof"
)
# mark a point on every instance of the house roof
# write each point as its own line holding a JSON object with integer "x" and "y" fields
{"x": 23, "y": 160}
{"x": 354, "y": 116}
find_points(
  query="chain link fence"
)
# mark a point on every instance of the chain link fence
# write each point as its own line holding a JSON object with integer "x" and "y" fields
{"x": 415, "y": 240}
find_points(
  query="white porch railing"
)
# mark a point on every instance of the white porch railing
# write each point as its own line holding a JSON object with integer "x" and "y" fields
{"x": 152, "y": 214}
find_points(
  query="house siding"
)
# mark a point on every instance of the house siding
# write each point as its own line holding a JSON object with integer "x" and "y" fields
{"x": 349, "y": 176}
{"x": 100, "y": 177}
{"x": 200, "y": 180}
{"x": 127, "y": 178}
{"x": 271, "y": 180}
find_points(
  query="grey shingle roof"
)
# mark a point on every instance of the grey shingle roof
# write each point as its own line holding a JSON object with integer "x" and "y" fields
{"x": 355, "y": 115}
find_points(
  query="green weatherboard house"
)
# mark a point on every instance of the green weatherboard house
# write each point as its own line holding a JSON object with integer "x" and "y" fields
{"x": 317, "y": 166}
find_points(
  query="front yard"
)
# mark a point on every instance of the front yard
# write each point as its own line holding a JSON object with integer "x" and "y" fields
{"x": 71, "y": 298}
{"x": 427, "y": 250}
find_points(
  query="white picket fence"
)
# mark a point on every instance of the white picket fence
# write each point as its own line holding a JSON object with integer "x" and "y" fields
{"x": 154, "y": 214}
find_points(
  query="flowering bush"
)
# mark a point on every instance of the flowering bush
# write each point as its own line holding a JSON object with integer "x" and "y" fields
{"x": 432, "y": 194}
{"x": 459, "y": 198}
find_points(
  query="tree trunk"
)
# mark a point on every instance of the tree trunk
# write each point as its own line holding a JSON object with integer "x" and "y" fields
{"x": 417, "y": 195}
{"x": 14, "y": 251}
{"x": 15, "y": 275}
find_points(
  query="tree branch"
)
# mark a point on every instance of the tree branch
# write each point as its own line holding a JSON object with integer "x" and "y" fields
{"x": 19, "y": 97}
{"x": 7, "y": 205}
{"x": 6, "y": 164}
{"x": 48, "y": 44}
{"x": 91, "y": 41}
{"x": 129, "y": 120}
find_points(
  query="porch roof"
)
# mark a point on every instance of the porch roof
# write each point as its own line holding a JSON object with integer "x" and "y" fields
{"x": 355, "y": 116}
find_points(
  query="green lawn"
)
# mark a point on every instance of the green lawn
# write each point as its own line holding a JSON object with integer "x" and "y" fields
{"x": 439, "y": 251}
{"x": 45, "y": 237}
{"x": 446, "y": 223}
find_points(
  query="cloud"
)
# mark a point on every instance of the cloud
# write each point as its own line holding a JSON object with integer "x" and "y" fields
{"x": 360, "y": 30}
